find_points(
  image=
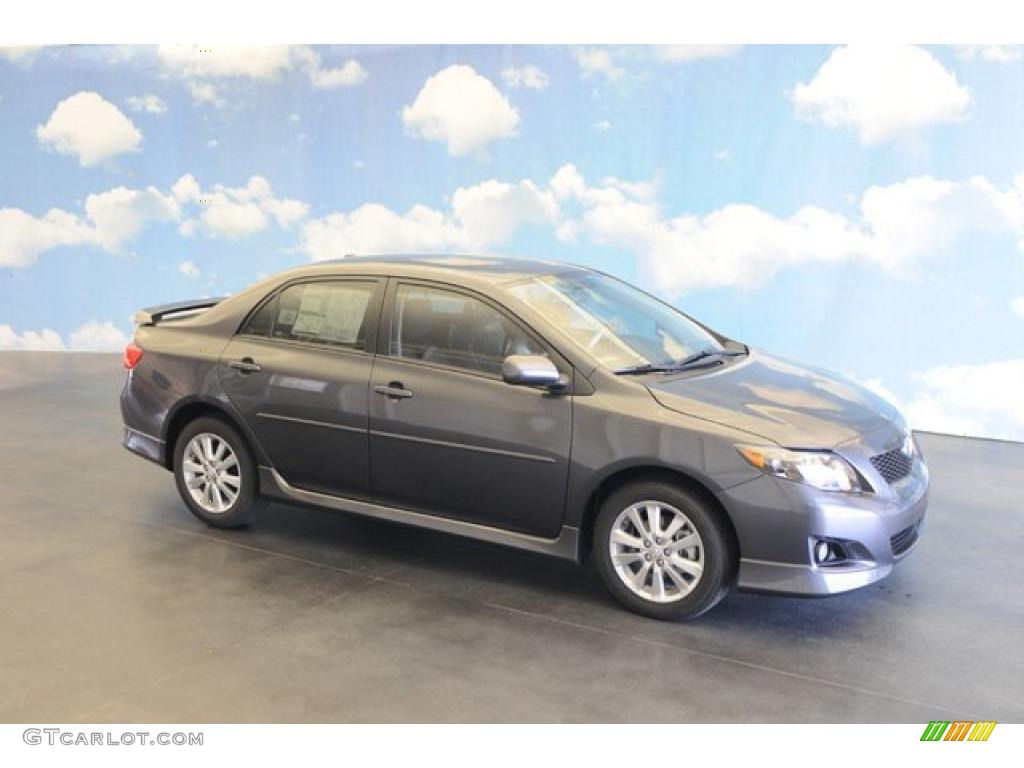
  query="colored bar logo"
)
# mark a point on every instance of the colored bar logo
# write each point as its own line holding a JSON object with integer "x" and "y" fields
{"x": 960, "y": 730}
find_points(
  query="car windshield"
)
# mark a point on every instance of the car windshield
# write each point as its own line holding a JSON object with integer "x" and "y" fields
{"x": 620, "y": 325}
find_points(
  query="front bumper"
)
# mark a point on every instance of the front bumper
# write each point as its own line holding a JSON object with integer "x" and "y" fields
{"x": 778, "y": 523}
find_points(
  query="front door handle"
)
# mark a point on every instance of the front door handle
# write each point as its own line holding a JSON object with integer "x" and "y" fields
{"x": 245, "y": 365}
{"x": 393, "y": 390}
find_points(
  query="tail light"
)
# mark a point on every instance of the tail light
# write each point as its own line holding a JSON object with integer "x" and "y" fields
{"x": 132, "y": 355}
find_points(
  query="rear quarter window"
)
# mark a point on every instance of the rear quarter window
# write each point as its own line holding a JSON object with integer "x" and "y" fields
{"x": 320, "y": 312}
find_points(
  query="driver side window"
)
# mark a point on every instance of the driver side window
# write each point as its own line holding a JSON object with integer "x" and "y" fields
{"x": 450, "y": 328}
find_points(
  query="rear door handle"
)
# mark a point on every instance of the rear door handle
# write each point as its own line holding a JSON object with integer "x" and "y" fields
{"x": 245, "y": 365}
{"x": 394, "y": 390}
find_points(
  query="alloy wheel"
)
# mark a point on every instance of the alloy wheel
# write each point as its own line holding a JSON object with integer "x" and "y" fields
{"x": 211, "y": 472}
{"x": 656, "y": 551}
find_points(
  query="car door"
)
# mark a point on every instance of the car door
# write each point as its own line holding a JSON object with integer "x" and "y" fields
{"x": 447, "y": 436}
{"x": 298, "y": 372}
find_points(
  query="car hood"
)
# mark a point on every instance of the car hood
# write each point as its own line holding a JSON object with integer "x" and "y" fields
{"x": 795, "y": 405}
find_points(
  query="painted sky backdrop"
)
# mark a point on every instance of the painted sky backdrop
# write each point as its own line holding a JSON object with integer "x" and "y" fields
{"x": 861, "y": 209}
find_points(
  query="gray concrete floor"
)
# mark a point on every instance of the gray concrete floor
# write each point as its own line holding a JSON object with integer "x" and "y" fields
{"x": 116, "y": 605}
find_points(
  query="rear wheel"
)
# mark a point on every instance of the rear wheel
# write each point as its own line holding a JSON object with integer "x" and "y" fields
{"x": 663, "y": 550}
{"x": 215, "y": 473}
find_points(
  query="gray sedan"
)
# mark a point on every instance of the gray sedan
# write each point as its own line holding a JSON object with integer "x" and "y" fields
{"x": 532, "y": 404}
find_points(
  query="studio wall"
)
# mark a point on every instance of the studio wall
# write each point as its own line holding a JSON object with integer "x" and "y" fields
{"x": 857, "y": 208}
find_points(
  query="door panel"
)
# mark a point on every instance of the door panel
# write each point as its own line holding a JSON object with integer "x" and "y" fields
{"x": 469, "y": 447}
{"x": 308, "y": 408}
{"x": 299, "y": 374}
{"x": 450, "y": 438}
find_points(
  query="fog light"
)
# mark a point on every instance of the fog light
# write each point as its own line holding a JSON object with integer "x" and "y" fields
{"x": 821, "y": 551}
{"x": 829, "y": 552}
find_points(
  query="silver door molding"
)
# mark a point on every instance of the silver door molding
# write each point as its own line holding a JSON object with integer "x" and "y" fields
{"x": 565, "y": 546}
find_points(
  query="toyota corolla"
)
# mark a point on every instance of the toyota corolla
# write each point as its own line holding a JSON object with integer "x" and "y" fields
{"x": 532, "y": 404}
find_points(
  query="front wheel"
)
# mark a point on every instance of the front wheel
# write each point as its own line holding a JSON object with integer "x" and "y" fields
{"x": 663, "y": 550}
{"x": 215, "y": 473}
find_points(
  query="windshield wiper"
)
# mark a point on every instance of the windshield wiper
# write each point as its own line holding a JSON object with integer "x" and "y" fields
{"x": 645, "y": 368}
{"x": 679, "y": 365}
{"x": 696, "y": 357}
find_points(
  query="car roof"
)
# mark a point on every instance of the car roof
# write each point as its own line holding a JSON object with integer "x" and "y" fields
{"x": 494, "y": 270}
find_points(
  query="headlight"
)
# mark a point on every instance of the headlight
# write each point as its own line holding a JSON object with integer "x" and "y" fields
{"x": 820, "y": 469}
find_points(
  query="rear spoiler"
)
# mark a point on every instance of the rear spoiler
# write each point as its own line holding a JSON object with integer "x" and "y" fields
{"x": 177, "y": 310}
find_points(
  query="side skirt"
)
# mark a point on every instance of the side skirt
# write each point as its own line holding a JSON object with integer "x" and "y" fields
{"x": 565, "y": 546}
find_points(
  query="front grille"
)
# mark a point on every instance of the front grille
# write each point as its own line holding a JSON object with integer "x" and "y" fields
{"x": 893, "y": 465}
{"x": 903, "y": 540}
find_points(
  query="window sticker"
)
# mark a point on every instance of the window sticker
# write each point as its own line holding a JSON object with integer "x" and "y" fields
{"x": 307, "y": 325}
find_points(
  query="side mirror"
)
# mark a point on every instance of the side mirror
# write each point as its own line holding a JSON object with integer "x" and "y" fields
{"x": 530, "y": 371}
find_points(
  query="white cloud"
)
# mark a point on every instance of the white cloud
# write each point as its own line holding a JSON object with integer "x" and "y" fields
{"x": 111, "y": 218}
{"x": 256, "y": 62}
{"x": 375, "y": 229}
{"x": 189, "y": 269}
{"x": 529, "y": 76}
{"x": 979, "y": 399}
{"x": 38, "y": 341}
{"x": 722, "y": 155}
{"x": 998, "y": 53}
{"x": 233, "y": 220}
{"x": 737, "y": 245}
{"x": 235, "y": 212}
{"x": 899, "y": 227}
{"x": 206, "y": 69}
{"x": 186, "y": 189}
{"x": 882, "y": 92}
{"x": 568, "y": 182}
{"x": 286, "y": 211}
{"x": 150, "y": 103}
{"x": 212, "y": 143}
{"x": 89, "y": 127}
{"x": 24, "y": 236}
{"x": 598, "y": 61}
{"x": 676, "y": 54}
{"x": 20, "y": 53}
{"x": 206, "y": 93}
{"x": 603, "y": 125}
{"x": 644, "y": 191}
{"x": 461, "y": 108}
{"x": 608, "y": 62}
{"x": 348, "y": 74}
{"x": 910, "y": 219}
{"x": 93, "y": 336}
{"x": 481, "y": 216}
{"x": 119, "y": 214}
{"x": 1017, "y": 305}
{"x": 491, "y": 212}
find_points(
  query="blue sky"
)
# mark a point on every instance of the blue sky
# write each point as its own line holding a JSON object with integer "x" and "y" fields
{"x": 858, "y": 209}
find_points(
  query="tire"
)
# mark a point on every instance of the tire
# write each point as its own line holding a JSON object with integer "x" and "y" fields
{"x": 702, "y": 539}
{"x": 216, "y": 506}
